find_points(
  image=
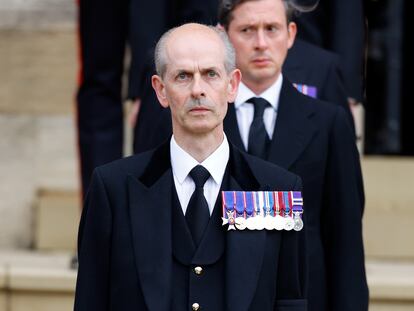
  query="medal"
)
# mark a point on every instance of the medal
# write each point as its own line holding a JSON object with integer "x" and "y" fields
{"x": 297, "y": 207}
{"x": 259, "y": 218}
{"x": 250, "y": 208}
{"x": 228, "y": 209}
{"x": 240, "y": 211}
{"x": 270, "y": 210}
{"x": 278, "y": 221}
{"x": 251, "y": 223}
{"x": 240, "y": 223}
{"x": 268, "y": 200}
{"x": 298, "y": 222}
{"x": 289, "y": 223}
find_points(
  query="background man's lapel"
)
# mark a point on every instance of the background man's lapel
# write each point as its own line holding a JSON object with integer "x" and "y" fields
{"x": 293, "y": 129}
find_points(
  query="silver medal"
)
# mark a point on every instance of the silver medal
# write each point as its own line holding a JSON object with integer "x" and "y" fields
{"x": 279, "y": 222}
{"x": 268, "y": 222}
{"x": 259, "y": 222}
{"x": 240, "y": 223}
{"x": 298, "y": 222}
{"x": 251, "y": 223}
{"x": 289, "y": 223}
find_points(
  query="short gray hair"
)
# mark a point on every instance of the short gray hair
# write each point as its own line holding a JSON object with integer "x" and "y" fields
{"x": 160, "y": 55}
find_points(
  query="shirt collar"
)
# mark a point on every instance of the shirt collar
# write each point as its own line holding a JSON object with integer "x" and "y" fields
{"x": 182, "y": 162}
{"x": 271, "y": 94}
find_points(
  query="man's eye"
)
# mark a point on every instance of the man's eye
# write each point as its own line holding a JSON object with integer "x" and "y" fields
{"x": 212, "y": 74}
{"x": 182, "y": 76}
{"x": 246, "y": 30}
{"x": 271, "y": 28}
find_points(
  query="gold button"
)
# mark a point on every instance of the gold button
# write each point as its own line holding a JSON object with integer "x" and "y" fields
{"x": 195, "y": 306}
{"x": 198, "y": 270}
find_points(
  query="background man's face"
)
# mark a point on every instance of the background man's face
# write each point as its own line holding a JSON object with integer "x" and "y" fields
{"x": 261, "y": 37}
{"x": 196, "y": 85}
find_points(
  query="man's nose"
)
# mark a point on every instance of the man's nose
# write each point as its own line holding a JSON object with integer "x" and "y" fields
{"x": 261, "y": 41}
{"x": 197, "y": 89}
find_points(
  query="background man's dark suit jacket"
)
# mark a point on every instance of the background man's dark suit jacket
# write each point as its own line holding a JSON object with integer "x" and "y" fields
{"x": 339, "y": 26}
{"x": 106, "y": 28}
{"x": 309, "y": 64}
{"x": 313, "y": 139}
{"x": 126, "y": 248}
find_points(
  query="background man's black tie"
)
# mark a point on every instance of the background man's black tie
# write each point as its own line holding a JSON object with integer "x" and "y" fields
{"x": 197, "y": 214}
{"x": 258, "y": 138}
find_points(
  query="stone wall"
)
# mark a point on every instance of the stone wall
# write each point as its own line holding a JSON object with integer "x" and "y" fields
{"x": 42, "y": 14}
{"x": 38, "y": 79}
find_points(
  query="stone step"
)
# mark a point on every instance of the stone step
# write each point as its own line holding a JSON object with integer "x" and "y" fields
{"x": 391, "y": 285}
{"x": 36, "y": 281}
{"x": 389, "y": 209}
{"x": 57, "y": 215}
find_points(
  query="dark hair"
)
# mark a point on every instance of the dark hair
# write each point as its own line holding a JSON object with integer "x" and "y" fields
{"x": 226, "y": 8}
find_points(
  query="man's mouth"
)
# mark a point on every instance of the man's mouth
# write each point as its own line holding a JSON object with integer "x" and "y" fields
{"x": 261, "y": 61}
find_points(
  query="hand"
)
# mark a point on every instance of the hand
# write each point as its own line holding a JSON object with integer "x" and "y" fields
{"x": 133, "y": 112}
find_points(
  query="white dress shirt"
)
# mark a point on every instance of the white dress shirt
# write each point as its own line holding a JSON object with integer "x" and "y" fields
{"x": 182, "y": 163}
{"x": 245, "y": 110}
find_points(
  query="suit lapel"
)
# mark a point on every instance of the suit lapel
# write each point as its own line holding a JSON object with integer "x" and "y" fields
{"x": 293, "y": 129}
{"x": 245, "y": 249}
{"x": 150, "y": 215}
{"x": 231, "y": 127}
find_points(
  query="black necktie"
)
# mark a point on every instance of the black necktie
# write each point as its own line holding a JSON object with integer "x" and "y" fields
{"x": 258, "y": 138}
{"x": 197, "y": 214}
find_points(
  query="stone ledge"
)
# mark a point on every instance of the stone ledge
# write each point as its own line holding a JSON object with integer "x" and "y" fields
{"x": 41, "y": 279}
{"x": 36, "y": 272}
{"x": 390, "y": 280}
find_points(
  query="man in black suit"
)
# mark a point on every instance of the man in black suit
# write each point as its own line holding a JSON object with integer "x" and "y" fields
{"x": 306, "y": 136}
{"x": 151, "y": 238}
{"x": 338, "y": 26}
{"x": 106, "y": 28}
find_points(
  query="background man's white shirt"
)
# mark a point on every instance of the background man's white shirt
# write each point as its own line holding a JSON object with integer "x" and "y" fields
{"x": 245, "y": 110}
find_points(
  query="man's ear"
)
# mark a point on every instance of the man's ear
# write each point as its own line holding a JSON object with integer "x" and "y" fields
{"x": 233, "y": 86}
{"x": 292, "y": 30}
{"x": 159, "y": 88}
{"x": 220, "y": 27}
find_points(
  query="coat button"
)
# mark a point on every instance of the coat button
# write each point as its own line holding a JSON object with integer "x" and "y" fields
{"x": 198, "y": 270}
{"x": 195, "y": 306}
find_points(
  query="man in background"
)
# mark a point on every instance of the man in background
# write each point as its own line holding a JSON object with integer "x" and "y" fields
{"x": 311, "y": 138}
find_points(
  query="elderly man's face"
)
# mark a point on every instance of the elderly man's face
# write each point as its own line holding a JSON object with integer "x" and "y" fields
{"x": 196, "y": 85}
{"x": 261, "y": 36}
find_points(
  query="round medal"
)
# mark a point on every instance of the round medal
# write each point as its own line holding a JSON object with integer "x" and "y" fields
{"x": 279, "y": 222}
{"x": 251, "y": 223}
{"x": 298, "y": 224}
{"x": 240, "y": 223}
{"x": 268, "y": 222}
{"x": 289, "y": 223}
{"x": 259, "y": 222}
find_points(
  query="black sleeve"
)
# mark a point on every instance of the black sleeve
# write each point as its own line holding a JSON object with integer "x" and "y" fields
{"x": 92, "y": 286}
{"x": 342, "y": 221}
